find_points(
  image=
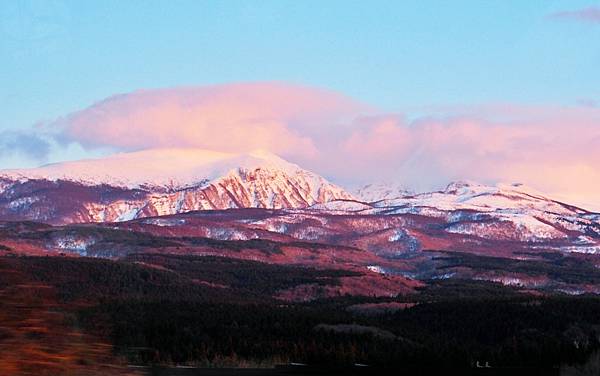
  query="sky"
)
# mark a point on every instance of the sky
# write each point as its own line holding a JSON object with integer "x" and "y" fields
{"x": 415, "y": 92}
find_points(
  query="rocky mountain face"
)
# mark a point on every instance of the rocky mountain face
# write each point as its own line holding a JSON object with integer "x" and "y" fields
{"x": 174, "y": 182}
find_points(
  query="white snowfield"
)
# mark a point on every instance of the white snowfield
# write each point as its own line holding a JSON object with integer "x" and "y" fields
{"x": 518, "y": 212}
{"x": 180, "y": 180}
{"x": 464, "y": 195}
{"x": 171, "y": 168}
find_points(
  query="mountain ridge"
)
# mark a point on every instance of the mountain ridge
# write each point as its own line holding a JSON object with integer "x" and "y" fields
{"x": 118, "y": 191}
{"x": 163, "y": 182}
{"x": 175, "y": 168}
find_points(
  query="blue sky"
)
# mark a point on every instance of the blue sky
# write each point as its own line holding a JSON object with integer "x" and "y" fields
{"x": 59, "y": 56}
{"x": 482, "y": 90}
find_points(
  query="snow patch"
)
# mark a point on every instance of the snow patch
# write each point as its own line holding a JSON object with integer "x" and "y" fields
{"x": 376, "y": 269}
{"x": 73, "y": 243}
{"x": 22, "y": 203}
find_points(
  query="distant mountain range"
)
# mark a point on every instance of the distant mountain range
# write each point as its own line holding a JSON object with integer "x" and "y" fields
{"x": 172, "y": 181}
{"x": 177, "y": 197}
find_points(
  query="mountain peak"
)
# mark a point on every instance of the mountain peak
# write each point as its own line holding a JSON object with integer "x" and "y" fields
{"x": 463, "y": 186}
{"x": 170, "y": 167}
{"x": 161, "y": 182}
{"x": 381, "y": 191}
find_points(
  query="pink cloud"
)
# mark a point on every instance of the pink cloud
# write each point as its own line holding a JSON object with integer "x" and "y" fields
{"x": 553, "y": 148}
{"x": 591, "y": 14}
{"x": 236, "y": 118}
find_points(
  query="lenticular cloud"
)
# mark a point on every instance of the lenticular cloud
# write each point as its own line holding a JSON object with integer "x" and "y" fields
{"x": 555, "y": 149}
{"x": 235, "y": 118}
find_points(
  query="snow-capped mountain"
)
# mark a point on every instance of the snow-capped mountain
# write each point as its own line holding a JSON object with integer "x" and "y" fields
{"x": 170, "y": 181}
{"x": 503, "y": 212}
{"x": 168, "y": 169}
{"x": 464, "y": 195}
{"x": 380, "y": 191}
{"x": 159, "y": 182}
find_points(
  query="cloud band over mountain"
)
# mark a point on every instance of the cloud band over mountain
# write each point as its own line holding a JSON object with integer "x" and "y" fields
{"x": 552, "y": 148}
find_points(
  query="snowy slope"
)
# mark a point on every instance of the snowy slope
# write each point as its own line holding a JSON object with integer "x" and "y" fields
{"x": 159, "y": 182}
{"x": 507, "y": 212}
{"x": 480, "y": 197}
{"x": 380, "y": 191}
{"x": 172, "y": 168}
{"x": 504, "y": 211}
